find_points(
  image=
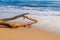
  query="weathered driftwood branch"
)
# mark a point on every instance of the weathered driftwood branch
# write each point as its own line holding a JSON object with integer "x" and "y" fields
{"x": 2, "y": 21}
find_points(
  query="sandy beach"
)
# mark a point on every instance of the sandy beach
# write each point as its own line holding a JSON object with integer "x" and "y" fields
{"x": 46, "y": 28}
{"x": 26, "y": 34}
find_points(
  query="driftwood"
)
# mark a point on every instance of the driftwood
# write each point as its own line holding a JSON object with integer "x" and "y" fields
{"x": 3, "y": 21}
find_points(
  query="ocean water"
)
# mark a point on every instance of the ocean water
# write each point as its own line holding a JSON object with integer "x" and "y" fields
{"x": 32, "y": 5}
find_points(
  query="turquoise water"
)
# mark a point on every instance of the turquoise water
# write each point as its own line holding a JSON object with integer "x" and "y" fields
{"x": 32, "y": 3}
{"x": 41, "y": 5}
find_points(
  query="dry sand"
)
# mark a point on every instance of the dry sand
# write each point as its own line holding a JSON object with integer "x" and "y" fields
{"x": 26, "y": 34}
